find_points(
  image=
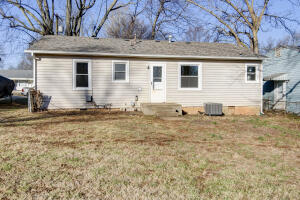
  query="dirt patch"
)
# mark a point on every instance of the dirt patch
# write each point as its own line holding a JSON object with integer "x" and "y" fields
{"x": 61, "y": 144}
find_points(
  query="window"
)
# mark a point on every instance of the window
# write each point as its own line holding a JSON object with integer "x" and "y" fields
{"x": 120, "y": 71}
{"x": 82, "y": 75}
{"x": 157, "y": 74}
{"x": 251, "y": 73}
{"x": 190, "y": 76}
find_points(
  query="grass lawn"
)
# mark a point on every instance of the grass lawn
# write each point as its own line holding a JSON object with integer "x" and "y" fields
{"x": 101, "y": 155}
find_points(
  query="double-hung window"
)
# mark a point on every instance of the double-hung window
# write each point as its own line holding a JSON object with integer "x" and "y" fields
{"x": 251, "y": 73}
{"x": 190, "y": 76}
{"x": 82, "y": 74}
{"x": 120, "y": 71}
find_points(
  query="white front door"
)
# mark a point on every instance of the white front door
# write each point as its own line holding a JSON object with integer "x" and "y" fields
{"x": 279, "y": 95}
{"x": 158, "y": 83}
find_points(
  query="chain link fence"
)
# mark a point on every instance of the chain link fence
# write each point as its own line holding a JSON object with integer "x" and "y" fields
{"x": 292, "y": 107}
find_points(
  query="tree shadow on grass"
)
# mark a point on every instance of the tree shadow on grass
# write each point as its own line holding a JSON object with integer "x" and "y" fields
{"x": 59, "y": 117}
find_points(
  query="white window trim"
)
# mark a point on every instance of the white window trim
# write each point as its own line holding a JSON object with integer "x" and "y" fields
{"x": 75, "y": 61}
{"x": 256, "y": 73}
{"x": 126, "y": 62}
{"x": 200, "y": 73}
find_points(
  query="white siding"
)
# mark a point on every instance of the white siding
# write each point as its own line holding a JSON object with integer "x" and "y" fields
{"x": 222, "y": 82}
{"x": 120, "y": 94}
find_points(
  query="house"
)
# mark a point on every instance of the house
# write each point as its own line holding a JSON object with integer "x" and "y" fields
{"x": 22, "y": 78}
{"x": 72, "y": 71}
{"x": 282, "y": 79}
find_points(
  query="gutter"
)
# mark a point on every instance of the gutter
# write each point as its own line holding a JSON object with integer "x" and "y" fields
{"x": 22, "y": 79}
{"x": 139, "y": 55}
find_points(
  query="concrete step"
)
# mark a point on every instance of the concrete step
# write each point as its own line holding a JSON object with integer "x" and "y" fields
{"x": 162, "y": 109}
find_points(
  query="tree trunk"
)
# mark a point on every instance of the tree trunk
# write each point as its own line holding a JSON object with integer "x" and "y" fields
{"x": 56, "y": 24}
{"x": 161, "y": 7}
{"x": 255, "y": 43}
{"x": 104, "y": 18}
{"x": 68, "y": 18}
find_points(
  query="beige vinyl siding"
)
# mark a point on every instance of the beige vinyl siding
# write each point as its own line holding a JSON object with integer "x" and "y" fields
{"x": 222, "y": 82}
{"x": 120, "y": 94}
{"x": 55, "y": 79}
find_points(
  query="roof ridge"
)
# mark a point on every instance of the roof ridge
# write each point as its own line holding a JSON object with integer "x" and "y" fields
{"x": 150, "y": 40}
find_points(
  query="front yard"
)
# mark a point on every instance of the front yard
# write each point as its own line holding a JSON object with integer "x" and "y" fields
{"x": 101, "y": 155}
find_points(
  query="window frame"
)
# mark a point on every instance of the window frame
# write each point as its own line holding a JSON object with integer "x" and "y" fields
{"x": 126, "y": 62}
{"x": 256, "y": 73}
{"x": 200, "y": 74}
{"x": 89, "y": 62}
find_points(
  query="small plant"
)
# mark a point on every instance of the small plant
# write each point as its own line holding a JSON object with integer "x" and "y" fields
{"x": 6, "y": 167}
{"x": 217, "y": 136}
{"x": 261, "y": 138}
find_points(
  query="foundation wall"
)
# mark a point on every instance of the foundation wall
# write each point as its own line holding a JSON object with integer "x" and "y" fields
{"x": 227, "y": 110}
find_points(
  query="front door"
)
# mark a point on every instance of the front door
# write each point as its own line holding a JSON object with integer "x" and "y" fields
{"x": 279, "y": 95}
{"x": 158, "y": 83}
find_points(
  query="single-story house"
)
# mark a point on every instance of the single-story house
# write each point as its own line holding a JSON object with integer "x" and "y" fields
{"x": 282, "y": 79}
{"x": 72, "y": 71}
{"x": 22, "y": 78}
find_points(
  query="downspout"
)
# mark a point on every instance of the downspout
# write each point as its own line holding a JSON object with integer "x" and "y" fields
{"x": 34, "y": 71}
{"x": 262, "y": 91}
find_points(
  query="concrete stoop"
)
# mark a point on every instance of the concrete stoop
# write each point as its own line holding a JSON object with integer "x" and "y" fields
{"x": 162, "y": 109}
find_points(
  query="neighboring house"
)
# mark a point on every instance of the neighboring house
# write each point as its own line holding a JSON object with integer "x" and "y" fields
{"x": 22, "y": 78}
{"x": 126, "y": 73}
{"x": 282, "y": 79}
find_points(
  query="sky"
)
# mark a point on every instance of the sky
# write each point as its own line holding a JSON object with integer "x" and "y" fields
{"x": 13, "y": 48}
{"x": 281, "y": 6}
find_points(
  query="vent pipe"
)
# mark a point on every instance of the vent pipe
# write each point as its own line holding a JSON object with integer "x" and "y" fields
{"x": 60, "y": 29}
{"x": 170, "y": 38}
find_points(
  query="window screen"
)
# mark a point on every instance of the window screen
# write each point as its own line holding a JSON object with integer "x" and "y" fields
{"x": 82, "y": 75}
{"x": 120, "y": 71}
{"x": 189, "y": 76}
{"x": 251, "y": 73}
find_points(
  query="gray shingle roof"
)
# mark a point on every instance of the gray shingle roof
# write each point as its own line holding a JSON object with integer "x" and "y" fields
{"x": 142, "y": 47}
{"x": 15, "y": 74}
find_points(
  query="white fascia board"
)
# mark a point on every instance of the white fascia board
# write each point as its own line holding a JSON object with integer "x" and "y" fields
{"x": 139, "y": 55}
{"x": 22, "y": 79}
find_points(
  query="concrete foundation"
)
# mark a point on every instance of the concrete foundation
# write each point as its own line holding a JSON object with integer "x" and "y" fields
{"x": 227, "y": 110}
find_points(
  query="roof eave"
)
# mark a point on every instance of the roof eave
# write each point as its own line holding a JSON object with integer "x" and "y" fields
{"x": 141, "y": 55}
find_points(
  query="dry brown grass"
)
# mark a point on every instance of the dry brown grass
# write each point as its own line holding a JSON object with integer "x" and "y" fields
{"x": 101, "y": 155}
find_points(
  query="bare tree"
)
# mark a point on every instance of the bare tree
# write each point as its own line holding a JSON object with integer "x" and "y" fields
{"x": 27, "y": 18}
{"x": 164, "y": 14}
{"x": 271, "y": 43}
{"x": 1, "y": 57}
{"x": 201, "y": 34}
{"x": 43, "y": 16}
{"x": 123, "y": 26}
{"x": 112, "y": 7}
{"x": 73, "y": 23}
{"x": 26, "y": 62}
{"x": 127, "y": 25}
{"x": 242, "y": 20}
